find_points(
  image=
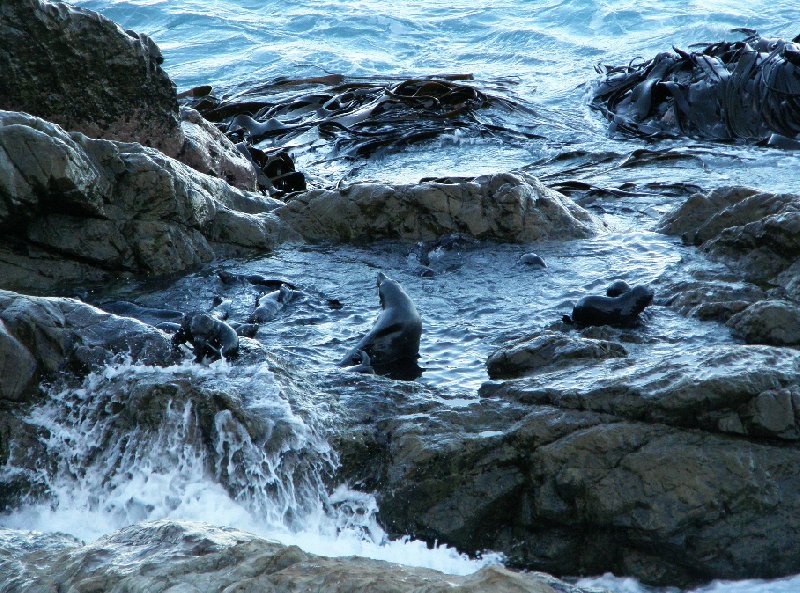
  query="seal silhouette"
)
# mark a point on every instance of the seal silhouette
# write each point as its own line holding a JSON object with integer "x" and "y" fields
{"x": 621, "y": 310}
{"x": 392, "y": 345}
{"x": 209, "y": 336}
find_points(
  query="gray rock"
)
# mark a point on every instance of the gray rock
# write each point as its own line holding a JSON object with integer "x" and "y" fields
{"x": 775, "y": 322}
{"x": 171, "y": 556}
{"x": 76, "y": 68}
{"x": 75, "y": 205}
{"x": 545, "y": 349}
{"x": 664, "y": 468}
{"x": 42, "y": 336}
{"x": 17, "y": 367}
{"x": 506, "y": 207}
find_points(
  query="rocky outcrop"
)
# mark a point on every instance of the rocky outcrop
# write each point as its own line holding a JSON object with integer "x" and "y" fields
{"x": 40, "y": 336}
{"x": 74, "y": 208}
{"x": 204, "y": 559}
{"x": 506, "y": 207}
{"x": 548, "y": 348}
{"x": 80, "y": 70}
{"x": 673, "y": 469}
{"x": 756, "y": 235}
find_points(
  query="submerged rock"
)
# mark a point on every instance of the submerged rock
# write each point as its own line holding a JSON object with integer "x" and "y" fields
{"x": 199, "y": 558}
{"x": 508, "y": 207}
{"x": 76, "y": 68}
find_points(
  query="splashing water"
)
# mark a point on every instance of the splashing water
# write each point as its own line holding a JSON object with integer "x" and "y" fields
{"x": 219, "y": 444}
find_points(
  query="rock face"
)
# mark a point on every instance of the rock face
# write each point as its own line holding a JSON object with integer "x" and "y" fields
{"x": 506, "y": 207}
{"x": 199, "y": 558}
{"x": 675, "y": 470}
{"x": 74, "y": 208}
{"x": 82, "y": 71}
{"x": 756, "y": 235}
{"x": 41, "y": 336}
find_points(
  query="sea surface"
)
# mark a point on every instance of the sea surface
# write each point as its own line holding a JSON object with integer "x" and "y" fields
{"x": 541, "y": 55}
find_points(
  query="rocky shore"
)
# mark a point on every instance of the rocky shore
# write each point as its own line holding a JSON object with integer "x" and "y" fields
{"x": 585, "y": 452}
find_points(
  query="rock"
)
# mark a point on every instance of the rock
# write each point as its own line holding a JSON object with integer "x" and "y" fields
{"x": 546, "y": 349}
{"x": 76, "y": 68}
{"x": 17, "y": 367}
{"x": 208, "y": 150}
{"x": 73, "y": 204}
{"x": 43, "y": 336}
{"x": 172, "y": 556}
{"x": 756, "y": 235}
{"x": 653, "y": 467}
{"x": 506, "y": 207}
{"x": 774, "y": 322}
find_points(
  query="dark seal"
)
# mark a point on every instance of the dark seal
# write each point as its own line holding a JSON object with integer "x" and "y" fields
{"x": 210, "y": 338}
{"x": 622, "y": 310}
{"x": 392, "y": 345}
{"x": 617, "y": 288}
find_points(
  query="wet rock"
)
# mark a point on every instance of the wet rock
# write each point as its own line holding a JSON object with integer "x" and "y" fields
{"x": 176, "y": 556}
{"x": 43, "y": 336}
{"x": 756, "y": 235}
{"x": 505, "y": 207}
{"x": 80, "y": 70}
{"x": 649, "y": 467}
{"x": 71, "y": 204}
{"x": 17, "y": 366}
{"x": 768, "y": 322}
{"x": 547, "y": 349}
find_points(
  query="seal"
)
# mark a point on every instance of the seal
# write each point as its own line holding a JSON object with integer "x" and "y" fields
{"x": 392, "y": 345}
{"x": 531, "y": 259}
{"x": 269, "y": 305}
{"x": 617, "y": 288}
{"x": 622, "y": 310}
{"x": 210, "y": 338}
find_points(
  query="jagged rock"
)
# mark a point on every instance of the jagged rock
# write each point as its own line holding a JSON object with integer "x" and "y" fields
{"x": 505, "y": 207}
{"x": 546, "y": 349}
{"x": 198, "y": 558}
{"x": 80, "y": 70}
{"x": 112, "y": 207}
{"x": 655, "y": 468}
{"x": 756, "y": 235}
{"x": 43, "y": 336}
{"x": 768, "y": 322}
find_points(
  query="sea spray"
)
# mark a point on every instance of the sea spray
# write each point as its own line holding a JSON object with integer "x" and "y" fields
{"x": 221, "y": 443}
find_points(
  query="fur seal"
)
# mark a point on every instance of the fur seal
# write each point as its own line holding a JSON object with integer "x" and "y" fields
{"x": 622, "y": 310}
{"x": 617, "y": 288}
{"x": 531, "y": 259}
{"x": 269, "y": 305}
{"x": 209, "y": 337}
{"x": 254, "y": 279}
{"x": 392, "y": 345}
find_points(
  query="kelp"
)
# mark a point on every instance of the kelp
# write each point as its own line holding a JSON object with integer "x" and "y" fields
{"x": 743, "y": 90}
{"x": 337, "y": 118}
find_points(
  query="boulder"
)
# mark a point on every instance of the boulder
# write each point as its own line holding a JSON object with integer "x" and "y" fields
{"x": 70, "y": 204}
{"x": 545, "y": 349}
{"x": 774, "y": 322}
{"x": 41, "y": 336}
{"x": 505, "y": 207}
{"x": 76, "y": 68}
{"x": 199, "y": 558}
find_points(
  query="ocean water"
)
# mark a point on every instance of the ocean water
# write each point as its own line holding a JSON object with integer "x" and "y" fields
{"x": 539, "y": 54}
